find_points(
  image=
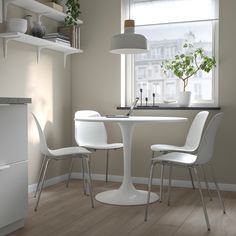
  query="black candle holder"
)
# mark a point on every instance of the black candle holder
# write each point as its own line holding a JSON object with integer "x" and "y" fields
{"x": 153, "y": 99}
{"x": 141, "y": 97}
{"x": 146, "y": 100}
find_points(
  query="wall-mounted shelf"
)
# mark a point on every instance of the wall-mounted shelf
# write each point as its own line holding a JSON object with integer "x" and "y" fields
{"x": 38, "y": 8}
{"x": 38, "y": 42}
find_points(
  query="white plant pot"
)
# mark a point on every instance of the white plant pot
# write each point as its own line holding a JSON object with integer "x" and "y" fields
{"x": 184, "y": 99}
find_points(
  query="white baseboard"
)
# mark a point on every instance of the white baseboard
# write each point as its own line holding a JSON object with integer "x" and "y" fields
{"x": 49, "y": 182}
{"x": 137, "y": 180}
{"x": 12, "y": 227}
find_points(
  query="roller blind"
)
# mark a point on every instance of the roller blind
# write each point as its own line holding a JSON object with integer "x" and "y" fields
{"x": 170, "y": 11}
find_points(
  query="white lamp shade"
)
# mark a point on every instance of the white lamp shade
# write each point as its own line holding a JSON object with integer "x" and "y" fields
{"x": 128, "y": 43}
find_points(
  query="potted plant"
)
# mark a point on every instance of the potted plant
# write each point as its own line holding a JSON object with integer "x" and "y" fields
{"x": 71, "y": 29}
{"x": 72, "y": 9}
{"x": 73, "y": 12}
{"x": 186, "y": 65}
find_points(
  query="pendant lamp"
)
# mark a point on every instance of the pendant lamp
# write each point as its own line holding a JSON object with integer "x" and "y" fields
{"x": 129, "y": 42}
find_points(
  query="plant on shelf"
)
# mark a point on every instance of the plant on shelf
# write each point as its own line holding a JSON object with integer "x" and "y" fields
{"x": 70, "y": 28}
{"x": 72, "y": 9}
{"x": 185, "y": 65}
{"x": 73, "y": 12}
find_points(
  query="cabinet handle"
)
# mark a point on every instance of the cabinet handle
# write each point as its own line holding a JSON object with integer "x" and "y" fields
{"x": 4, "y": 167}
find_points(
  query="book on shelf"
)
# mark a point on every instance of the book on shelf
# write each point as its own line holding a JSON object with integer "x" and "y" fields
{"x": 58, "y": 39}
{"x": 56, "y": 35}
{"x": 73, "y": 33}
{"x": 62, "y": 42}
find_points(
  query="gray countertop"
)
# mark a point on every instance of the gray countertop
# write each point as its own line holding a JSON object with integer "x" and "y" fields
{"x": 14, "y": 100}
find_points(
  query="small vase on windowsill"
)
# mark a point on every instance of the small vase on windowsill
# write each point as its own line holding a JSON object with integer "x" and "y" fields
{"x": 184, "y": 99}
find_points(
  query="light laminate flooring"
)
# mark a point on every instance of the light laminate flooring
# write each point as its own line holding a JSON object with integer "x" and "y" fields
{"x": 67, "y": 212}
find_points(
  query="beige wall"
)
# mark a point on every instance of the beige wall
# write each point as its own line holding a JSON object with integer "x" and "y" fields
{"x": 49, "y": 86}
{"x": 96, "y": 85}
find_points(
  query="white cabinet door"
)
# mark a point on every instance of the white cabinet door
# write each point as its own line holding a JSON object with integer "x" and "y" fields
{"x": 13, "y": 133}
{"x": 13, "y": 193}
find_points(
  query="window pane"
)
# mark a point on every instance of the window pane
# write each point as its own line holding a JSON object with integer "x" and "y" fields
{"x": 165, "y": 41}
{"x": 166, "y": 11}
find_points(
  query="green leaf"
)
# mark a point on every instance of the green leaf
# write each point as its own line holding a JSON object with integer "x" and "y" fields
{"x": 73, "y": 12}
{"x": 186, "y": 65}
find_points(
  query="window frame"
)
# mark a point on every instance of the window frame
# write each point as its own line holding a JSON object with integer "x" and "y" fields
{"x": 127, "y": 67}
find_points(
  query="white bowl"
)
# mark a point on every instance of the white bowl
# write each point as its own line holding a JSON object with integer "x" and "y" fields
{"x": 16, "y": 25}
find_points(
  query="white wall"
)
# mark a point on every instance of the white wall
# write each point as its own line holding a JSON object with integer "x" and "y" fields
{"x": 96, "y": 85}
{"x": 48, "y": 83}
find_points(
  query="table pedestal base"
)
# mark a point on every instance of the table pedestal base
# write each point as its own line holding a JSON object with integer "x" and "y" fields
{"x": 130, "y": 198}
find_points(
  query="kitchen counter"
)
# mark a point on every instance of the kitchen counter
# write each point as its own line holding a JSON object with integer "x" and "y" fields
{"x": 14, "y": 100}
{"x": 13, "y": 163}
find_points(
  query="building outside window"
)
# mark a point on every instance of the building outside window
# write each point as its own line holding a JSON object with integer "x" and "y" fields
{"x": 168, "y": 24}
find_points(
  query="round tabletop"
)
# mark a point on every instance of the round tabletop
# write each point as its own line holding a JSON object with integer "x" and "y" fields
{"x": 134, "y": 119}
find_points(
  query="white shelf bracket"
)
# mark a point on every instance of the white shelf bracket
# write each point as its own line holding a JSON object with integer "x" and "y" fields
{"x": 65, "y": 58}
{"x": 5, "y": 45}
{"x": 39, "y": 49}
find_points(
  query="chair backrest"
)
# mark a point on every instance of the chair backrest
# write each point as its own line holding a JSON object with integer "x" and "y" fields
{"x": 89, "y": 133}
{"x": 43, "y": 144}
{"x": 206, "y": 148}
{"x": 196, "y": 129}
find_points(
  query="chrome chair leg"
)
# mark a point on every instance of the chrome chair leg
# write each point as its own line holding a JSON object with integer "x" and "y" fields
{"x": 41, "y": 187}
{"x": 217, "y": 189}
{"x": 153, "y": 154}
{"x": 202, "y": 199}
{"x": 161, "y": 185}
{"x": 69, "y": 176}
{"x": 169, "y": 186}
{"x": 84, "y": 181}
{"x": 191, "y": 177}
{"x": 89, "y": 181}
{"x": 149, "y": 190}
{"x": 40, "y": 176}
{"x": 206, "y": 182}
{"x": 107, "y": 165}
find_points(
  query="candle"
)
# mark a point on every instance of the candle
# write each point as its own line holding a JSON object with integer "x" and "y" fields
{"x": 141, "y": 97}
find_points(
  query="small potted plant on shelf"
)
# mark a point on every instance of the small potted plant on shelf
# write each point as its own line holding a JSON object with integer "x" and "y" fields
{"x": 72, "y": 9}
{"x": 73, "y": 12}
{"x": 71, "y": 29}
{"x": 186, "y": 65}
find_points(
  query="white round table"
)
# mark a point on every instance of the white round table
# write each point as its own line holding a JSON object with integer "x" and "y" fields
{"x": 127, "y": 194}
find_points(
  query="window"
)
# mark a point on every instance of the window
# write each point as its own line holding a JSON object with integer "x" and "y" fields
{"x": 168, "y": 24}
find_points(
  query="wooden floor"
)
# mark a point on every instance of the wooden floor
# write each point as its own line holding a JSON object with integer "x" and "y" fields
{"x": 67, "y": 212}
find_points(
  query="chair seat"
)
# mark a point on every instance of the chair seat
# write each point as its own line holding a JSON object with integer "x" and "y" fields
{"x": 166, "y": 148}
{"x": 59, "y": 153}
{"x": 104, "y": 146}
{"x": 177, "y": 157}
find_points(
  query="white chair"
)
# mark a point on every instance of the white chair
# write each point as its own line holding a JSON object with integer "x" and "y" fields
{"x": 93, "y": 135}
{"x": 191, "y": 144}
{"x": 59, "y": 154}
{"x": 203, "y": 157}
